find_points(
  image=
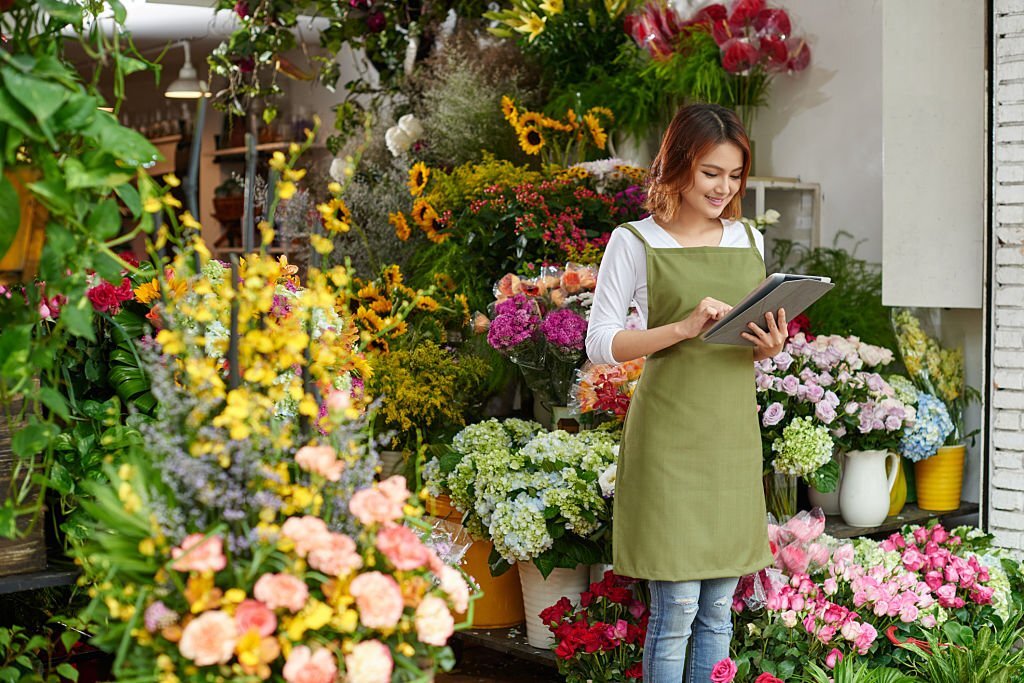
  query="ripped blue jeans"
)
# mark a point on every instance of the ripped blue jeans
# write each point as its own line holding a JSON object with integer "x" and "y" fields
{"x": 679, "y": 609}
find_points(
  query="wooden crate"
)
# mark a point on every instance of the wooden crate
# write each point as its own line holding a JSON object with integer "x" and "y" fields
{"x": 27, "y": 552}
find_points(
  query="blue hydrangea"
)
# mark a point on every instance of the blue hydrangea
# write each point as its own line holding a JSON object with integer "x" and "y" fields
{"x": 929, "y": 431}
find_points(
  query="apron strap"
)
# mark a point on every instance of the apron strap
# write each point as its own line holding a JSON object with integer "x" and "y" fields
{"x": 750, "y": 238}
{"x": 632, "y": 229}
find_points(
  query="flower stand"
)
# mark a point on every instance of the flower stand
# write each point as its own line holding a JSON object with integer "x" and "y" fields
{"x": 540, "y": 593}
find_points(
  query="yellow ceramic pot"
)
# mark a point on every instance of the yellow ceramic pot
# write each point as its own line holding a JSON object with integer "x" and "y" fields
{"x": 898, "y": 495}
{"x": 940, "y": 479}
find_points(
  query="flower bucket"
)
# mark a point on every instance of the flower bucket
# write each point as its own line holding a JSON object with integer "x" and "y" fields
{"x": 940, "y": 479}
{"x": 501, "y": 605}
{"x": 21, "y": 260}
{"x": 540, "y": 593}
{"x": 828, "y": 502}
{"x": 780, "y": 495}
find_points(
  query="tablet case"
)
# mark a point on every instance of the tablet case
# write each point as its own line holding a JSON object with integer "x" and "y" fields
{"x": 794, "y": 296}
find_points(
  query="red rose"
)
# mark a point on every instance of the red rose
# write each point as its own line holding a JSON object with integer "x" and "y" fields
{"x": 594, "y": 639}
{"x": 635, "y": 671}
{"x": 555, "y": 613}
{"x": 799, "y": 54}
{"x": 565, "y": 650}
{"x": 745, "y": 11}
{"x": 738, "y": 55}
{"x": 711, "y": 14}
{"x": 774, "y": 52}
{"x": 768, "y": 678}
{"x": 773, "y": 22}
{"x": 104, "y": 298}
{"x": 129, "y": 257}
{"x": 376, "y": 22}
{"x": 586, "y": 598}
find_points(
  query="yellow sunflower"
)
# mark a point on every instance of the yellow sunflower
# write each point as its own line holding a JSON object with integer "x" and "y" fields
{"x": 147, "y": 291}
{"x": 596, "y": 132}
{"x": 531, "y": 140}
{"x": 392, "y": 276}
{"x": 508, "y": 108}
{"x": 426, "y": 303}
{"x": 555, "y": 124}
{"x": 423, "y": 214}
{"x": 382, "y": 306}
{"x": 400, "y": 224}
{"x": 531, "y": 118}
{"x": 368, "y": 291}
{"x": 418, "y": 176}
{"x": 605, "y": 112}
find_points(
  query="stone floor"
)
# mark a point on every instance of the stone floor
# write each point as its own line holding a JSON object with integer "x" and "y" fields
{"x": 481, "y": 665}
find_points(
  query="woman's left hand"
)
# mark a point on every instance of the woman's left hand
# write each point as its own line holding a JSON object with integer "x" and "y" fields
{"x": 770, "y": 343}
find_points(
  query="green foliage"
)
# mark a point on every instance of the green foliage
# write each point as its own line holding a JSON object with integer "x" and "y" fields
{"x": 22, "y": 656}
{"x": 854, "y": 307}
{"x": 989, "y": 654}
{"x": 852, "y": 670}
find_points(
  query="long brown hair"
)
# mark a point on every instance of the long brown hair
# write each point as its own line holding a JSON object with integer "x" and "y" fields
{"x": 694, "y": 131}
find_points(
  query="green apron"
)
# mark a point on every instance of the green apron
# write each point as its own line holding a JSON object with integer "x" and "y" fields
{"x": 689, "y": 502}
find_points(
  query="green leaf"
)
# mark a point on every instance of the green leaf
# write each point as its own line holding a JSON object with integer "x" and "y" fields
{"x": 10, "y": 214}
{"x": 54, "y": 194}
{"x": 53, "y": 400}
{"x": 129, "y": 65}
{"x": 16, "y": 115}
{"x": 826, "y": 478}
{"x": 33, "y": 438}
{"x": 105, "y": 220}
{"x": 130, "y": 196}
{"x": 78, "y": 318}
{"x": 120, "y": 142}
{"x": 107, "y": 268}
{"x": 67, "y": 12}
{"x": 104, "y": 174}
{"x": 76, "y": 113}
{"x": 41, "y": 98}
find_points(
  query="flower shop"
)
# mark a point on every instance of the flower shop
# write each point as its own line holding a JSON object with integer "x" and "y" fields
{"x": 294, "y": 309}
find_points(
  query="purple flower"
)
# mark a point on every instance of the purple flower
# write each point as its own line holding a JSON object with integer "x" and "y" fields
{"x": 791, "y": 384}
{"x": 509, "y": 330}
{"x": 875, "y": 382}
{"x": 783, "y": 360}
{"x": 159, "y": 616}
{"x": 866, "y": 423}
{"x": 565, "y": 329}
{"x": 892, "y": 423}
{"x": 825, "y": 411}
{"x": 519, "y": 302}
{"x": 773, "y": 414}
{"x": 763, "y": 381}
{"x": 831, "y": 398}
{"x": 814, "y": 393}
{"x": 825, "y": 379}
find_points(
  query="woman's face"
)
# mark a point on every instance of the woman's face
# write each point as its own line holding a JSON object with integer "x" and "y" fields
{"x": 716, "y": 180}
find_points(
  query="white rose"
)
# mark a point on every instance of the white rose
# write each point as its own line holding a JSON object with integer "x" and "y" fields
{"x": 397, "y": 140}
{"x": 771, "y": 216}
{"x": 607, "y": 480}
{"x": 337, "y": 170}
{"x": 411, "y": 126}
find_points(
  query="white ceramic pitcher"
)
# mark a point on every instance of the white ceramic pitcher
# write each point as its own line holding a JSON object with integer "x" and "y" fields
{"x": 864, "y": 494}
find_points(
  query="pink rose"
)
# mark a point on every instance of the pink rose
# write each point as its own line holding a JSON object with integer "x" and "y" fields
{"x": 369, "y": 662}
{"x": 724, "y": 671}
{"x": 833, "y": 658}
{"x": 307, "y": 532}
{"x": 199, "y": 554}
{"x": 395, "y": 489}
{"x": 434, "y": 623}
{"x": 402, "y": 547}
{"x": 306, "y": 666}
{"x": 336, "y": 556}
{"x": 281, "y": 590}
{"x": 374, "y": 506}
{"x": 320, "y": 460}
{"x": 209, "y": 638}
{"x": 455, "y": 586}
{"x": 378, "y": 598}
{"x": 253, "y": 614}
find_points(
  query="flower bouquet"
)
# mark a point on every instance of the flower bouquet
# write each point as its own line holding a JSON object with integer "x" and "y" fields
{"x": 605, "y": 390}
{"x": 540, "y": 324}
{"x": 601, "y": 640}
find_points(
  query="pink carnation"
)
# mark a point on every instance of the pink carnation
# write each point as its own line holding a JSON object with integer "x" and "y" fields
{"x": 307, "y": 532}
{"x": 253, "y": 614}
{"x": 369, "y": 662}
{"x": 373, "y": 505}
{"x": 402, "y": 547}
{"x": 455, "y": 586}
{"x": 395, "y": 489}
{"x": 833, "y": 658}
{"x": 281, "y": 590}
{"x": 434, "y": 623}
{"x": 306, "y": 666}
{"x": 199, "y": 554}
{"x": 336, "y": 556}
{"x": 320, "y": 460}
{"x": 378, "y": 598}
{"x": 209, "y": 638}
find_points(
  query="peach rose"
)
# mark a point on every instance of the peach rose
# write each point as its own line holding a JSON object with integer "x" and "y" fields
{"x": 571, "y": 281}
{"x": 455, "y": 586}
{"x": 369, "y": 662}
{"x": 320, "y": 460}
{"x": 281, "y": 590}
{"x": 402, "y": 547}
{"x": 253, "y": 614}
{"x": 199, "y": 554}
{"x": 378, "y": 598}
{"x": 336, "y": 556}
{"x": 209, "y": 638}
{"x": 338, "y": 401}
{"x": 481, "y": 323}
{"x": 306, "y": 666}
{"x": 372, "y": 505}
{"x": 588, "y": 278}
{"x": 509, "y": 285}
{"x": 434, "y": 623}
{"x": 307, "y": 532}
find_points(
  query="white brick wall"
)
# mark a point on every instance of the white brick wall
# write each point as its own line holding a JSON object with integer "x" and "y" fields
{"x": 1005, "y": 512}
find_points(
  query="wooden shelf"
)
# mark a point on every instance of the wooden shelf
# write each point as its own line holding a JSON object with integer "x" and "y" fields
{"x": 510, "y": 641}
{"x": 237, "y": 153}
{"x": 239, "y": 250}
{"x": 911, "y": 514}
{"x": 56, "y": 575}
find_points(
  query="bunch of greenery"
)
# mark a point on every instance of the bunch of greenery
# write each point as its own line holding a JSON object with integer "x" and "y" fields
{"x": 854, "y": 307}
{"x": 958, "y": 654}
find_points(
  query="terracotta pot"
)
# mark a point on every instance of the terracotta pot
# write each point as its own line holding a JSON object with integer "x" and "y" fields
{"x": 21, "y": 261}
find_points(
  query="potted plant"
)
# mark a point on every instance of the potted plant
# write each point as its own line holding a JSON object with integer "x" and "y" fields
{"x": 228, "y": 200}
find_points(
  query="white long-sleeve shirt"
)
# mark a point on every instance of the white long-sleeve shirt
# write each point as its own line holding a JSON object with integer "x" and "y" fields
{"x": 622, "y": 279}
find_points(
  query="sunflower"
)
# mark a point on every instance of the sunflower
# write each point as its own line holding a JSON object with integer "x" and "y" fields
{"x": 596, "y": 132}
{"x": 555, "y": 124}
{"x": 418, "y": 176}
{"x": 400, "y": 224}
{"x": 605, "y": 112}
{"x": 508, "y": 108}
{"x": 392, "y": 276}
{"x": 426, "y": 303}
{"x": 445, "y": 282}
{"x": 368, "y": 291}
{"x": 531, "y": 140}
{"x": 382, "y": 306}
{"x": 423, "y": 214}
{"x": 531, "y": 118}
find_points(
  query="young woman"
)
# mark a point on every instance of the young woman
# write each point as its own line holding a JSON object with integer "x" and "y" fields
{"x": 689, "y": 507}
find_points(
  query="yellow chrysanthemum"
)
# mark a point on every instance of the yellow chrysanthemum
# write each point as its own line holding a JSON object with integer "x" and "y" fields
{"x": 401, "y": 225}
{"x": 531, "y": 140}
{"x": 147, "y": 291}
{"x": 597, "y": 133}
{"x": 418, "y": 176}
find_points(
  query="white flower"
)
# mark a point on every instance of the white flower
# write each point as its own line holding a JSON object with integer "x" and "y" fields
{"x": 411, "y": 126}
{"x": 397, "y": 140}
{"x": 337, "y": 171}
{"x": 771, "y": 216}
{"x": 607, "y": 479}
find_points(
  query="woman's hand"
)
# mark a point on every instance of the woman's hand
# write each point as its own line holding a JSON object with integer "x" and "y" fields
{"x": 770, "y": 343}
{"x": 701, "y": 318}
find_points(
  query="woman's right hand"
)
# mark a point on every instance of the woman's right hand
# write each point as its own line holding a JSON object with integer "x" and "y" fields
{"x": 707, "y": 312}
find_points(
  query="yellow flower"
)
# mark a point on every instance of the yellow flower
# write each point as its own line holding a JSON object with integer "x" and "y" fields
{"x": 400, "y": 224}
{"x": 172, "y": 180}
{"x": 423, "y": 213}
{"x": 605, "y": 112}
{"x": 508, "y": 108}
{"x": 531, "y": 140}
{"x": 427, "y": 303}
{"x": 152, "y": 205}
{"x": 418, "y": 176}
{"x": 552, "y": 7}
{"x": 294, "y": 174}
{"x": 334, "y": 187}
{"x": 596, "y": 132}
{"x": 147, "y": 291}
{"x": 278, "y": 161}
{"x": 392, "y": 276}
{"x": 147, "y": 547}
{"x": 189, "y": 221}
{"x": 321, "y": 244}
{"x": 531, "y": 118}
{"x": 286, "y": 190}
{"x": 532, "y": 25}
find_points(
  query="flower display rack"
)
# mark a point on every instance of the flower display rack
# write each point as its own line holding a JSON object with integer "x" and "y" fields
{"x": 799, "y": 204}
{"x": 911, "y": 514}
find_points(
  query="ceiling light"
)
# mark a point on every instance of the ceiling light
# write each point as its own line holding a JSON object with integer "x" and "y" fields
{"x": 187, "y": 86}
